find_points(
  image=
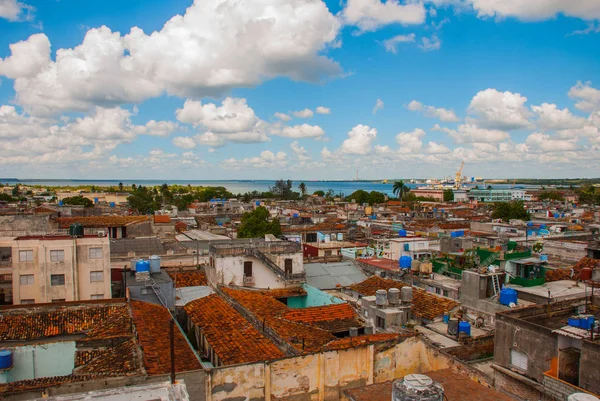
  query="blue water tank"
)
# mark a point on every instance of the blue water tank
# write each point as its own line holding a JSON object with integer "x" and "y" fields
{"x": 586, "y": 322}
{"x": 453, "y": 234}
{"x": 95, "y": 200}
{"x": 402, "y": 233}
{"x": 542, "y": 226}
{"x": 407, "y": 247}
{"x": 556, "y": 215}
{"x": 405, "y": 262}
{"x": 530, "y": 224}
{"x": 257, "y": 203}
{"x": 112, "y": 204}
{"x": 60, "y": 203}
{"x": 562, "y": 215}
{"x": 295, "y": 215}
{"x": 544, "y": 258}
{"x": 464, "y": 327}
{"x": 591, "y": 321}
{"x": 142, "y": 266}
{"x": 574, "y": 321}
{"x": 435, "y": 209}
{"x": 6, "y": 359}
{"x": 508, "y": 296}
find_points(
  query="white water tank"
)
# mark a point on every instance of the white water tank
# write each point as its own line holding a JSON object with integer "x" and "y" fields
{"x": 381, "y": 298}
{"x": 417, "y": 387}
{"x": 582, "y": 397}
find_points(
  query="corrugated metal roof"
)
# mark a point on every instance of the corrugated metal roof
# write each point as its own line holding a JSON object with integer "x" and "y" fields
{"x": 331, "y": 275}
{"x": 573, "y": 332}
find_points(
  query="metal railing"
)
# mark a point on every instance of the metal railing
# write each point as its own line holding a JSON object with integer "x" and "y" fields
{"x": 263, "y": 246}
{"x": 249, "y": 281}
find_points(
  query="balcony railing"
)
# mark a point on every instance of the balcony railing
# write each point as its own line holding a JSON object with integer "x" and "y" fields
{"x": 263, "y": 246}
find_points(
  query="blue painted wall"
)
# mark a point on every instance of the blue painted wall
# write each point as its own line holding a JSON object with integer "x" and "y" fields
{"x": 44, "y": 360}
{"x": 313, "y": 297}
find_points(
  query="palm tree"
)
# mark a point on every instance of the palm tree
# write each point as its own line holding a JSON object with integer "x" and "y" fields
{"x": 120, "y": 187}
{"x": 302, "y": 188}
{"x": 399, "y": 189}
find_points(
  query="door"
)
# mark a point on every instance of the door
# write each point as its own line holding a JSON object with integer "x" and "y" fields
{"x": 288, "y": 266}
{"x": 248, "y": 269}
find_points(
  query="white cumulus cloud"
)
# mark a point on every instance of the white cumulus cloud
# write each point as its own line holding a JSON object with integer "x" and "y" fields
{"x": 550, "y": 117}
{"x": 378, "y": 106}
{"x": 369, "y": 15}
{"x": 282, "y": 116}
{"x": 446, "y": 115}
{"x": 184, "y": 142}
{"x": 392, "y": 43}
{"x": 14, "y": 10}
{"x": 306, "y": 113}
{"x": 535, "y": 10}
{"x": 323, "y": 110}
{"x": 410, "y": 141}
{"x": 588, "y": 98}
{"x": 430, "y": 44}
{"x": 191, "y": 56}
{"x": 469, "y": 133}
{"x": 543, "y": 143}
{"x": 359, "y": 140}
{"x": 499, "y": 110}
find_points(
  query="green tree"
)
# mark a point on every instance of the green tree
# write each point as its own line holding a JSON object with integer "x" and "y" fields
{"x": 448, "y": 195}
{"x": 399, "y": 189}
{"x": 510, "y": 210}
{"x": 376, "y": 197}
{"x": 319, "y": 193}
{"x": 120, "y": 187}
{"x": 16, "y": 190}
{"x": 283, "y": 189}
{"x": 143, "y": 200}
{"x": 551, "y": 195}
{"x": 7, "y": 198}
{"x": 256, "y": 224}
{"x": 78, "y": 200}
{"x": 302, "y": 188}
{"x": 359, "y": 196}
{"x": 330, "y": 194}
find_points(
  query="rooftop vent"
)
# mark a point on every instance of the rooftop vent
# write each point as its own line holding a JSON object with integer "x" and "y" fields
{"x": 381, "y": 298}
{"x": 417, "y": 387}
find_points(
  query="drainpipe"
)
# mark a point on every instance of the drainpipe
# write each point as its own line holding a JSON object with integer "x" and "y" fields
{"x": 45, "y": 274}
{"x": 172, "y": 341}
{"x": 75, "y": 272}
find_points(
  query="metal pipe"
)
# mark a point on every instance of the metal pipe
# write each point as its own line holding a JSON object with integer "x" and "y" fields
{"x": 172, "y": 340}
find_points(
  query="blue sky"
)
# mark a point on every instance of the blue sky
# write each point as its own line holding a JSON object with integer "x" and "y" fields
{"x": 288, "y": 89}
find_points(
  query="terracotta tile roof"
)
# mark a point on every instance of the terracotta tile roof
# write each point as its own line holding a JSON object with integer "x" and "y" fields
{"x": 100, "y": 221}
{"x": 26, "y": 324}
{"x": 285, "y": 292}
{"x": 565, "y": 273}
{"x": 152, "y": 327}
{"x": 162, "y": 218}
{"x": 302, "y": 337}
{"x": 104, "y": 328}
{"x": 233, "y": 338}
{"x": 456, "y": 387}
{"x": 350, "y": 342}
{"x": 333, "y": 318}
{"x": 425, "y": 304}
{"x": 188, "y": 278}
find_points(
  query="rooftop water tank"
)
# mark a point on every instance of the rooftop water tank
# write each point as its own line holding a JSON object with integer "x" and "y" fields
{"x": 452, "y": 327}
{"x": 542, "y": 226}
{"x": 406, "y": 294}
{"x": 464, "y": 327}
{"x": 154, "y": 264}
{"x": 112, "y": 204}
{"x": 585, "y": 274}
{"x": 60, "y": 203}
{"x": 417, "y": 387}
{"x": 381, "y": 297}
{"x": 543, "y": 258}
{"x": 142, "y": 266}
{"x": 586, "y": 322}
{"x": 415, "y": 266}
{"x": 556, "y": 215}
{"x": 6, "y": 359}
{"x": 508, "y": 296}
{"x": 394, "y": 296}
{"x": 582, "y": 397}
{"x": 257, "y": 203}
{"x": 295, "y": 215}
{"x": 402, "y": 233}
{"x": 405, "y": 262}
{"x": 574, "y": 321}
{"x": 530, "y": 224}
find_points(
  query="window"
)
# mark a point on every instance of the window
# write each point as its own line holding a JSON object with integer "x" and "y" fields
{"x": 57, "y": 256}
{"x": 327, "y": 253}
{"x": 25, "y": 256}
{"x": 96, "y": 276}
{"x": 288, "y": 266}
{"x": 57, "y": 279}
{"x": 248, "y": 269}
{"x": 380, "y": 322}
{"x": 59, "y": 300}
{"x": 5, "y": 278}
{"x": 445, "y": 293}
{"x": 95, "y": 253}
{"x": 27, "y": 301}
{"x": 27, "y": 279}
{"x": 518, "y": 359}
{"x": 97, "y": 296}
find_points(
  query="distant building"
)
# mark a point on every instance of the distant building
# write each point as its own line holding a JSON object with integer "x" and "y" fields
{"x": 433, "y": 193}
{"x": 56, "y": 268}
{"x": 497, "y": 195}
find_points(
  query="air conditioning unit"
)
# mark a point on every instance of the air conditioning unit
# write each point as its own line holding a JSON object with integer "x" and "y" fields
{"x": 101, "y": 234}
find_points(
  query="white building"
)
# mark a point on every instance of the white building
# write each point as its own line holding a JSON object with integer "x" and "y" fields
{"x": 259, "y": 264}
{"x": 414, "y": 246}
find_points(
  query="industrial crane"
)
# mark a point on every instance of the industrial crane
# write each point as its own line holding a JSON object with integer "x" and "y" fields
{"x": 458, "y": 178}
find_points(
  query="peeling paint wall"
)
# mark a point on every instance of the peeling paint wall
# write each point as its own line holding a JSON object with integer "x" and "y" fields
{"x": 237, "y": 383}
{"x": 298, "y": 377}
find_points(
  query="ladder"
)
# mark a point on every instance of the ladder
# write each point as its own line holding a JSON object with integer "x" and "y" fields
{"x": 496, "y": 284}
{"x": 161, "y": 298}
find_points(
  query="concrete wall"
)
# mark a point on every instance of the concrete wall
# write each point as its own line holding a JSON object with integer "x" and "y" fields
{"x": 76, "y": 268}
{"x": 44, "y": 360}
{"x": 589, "y": 370}
{"x": 27, "y": 223}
